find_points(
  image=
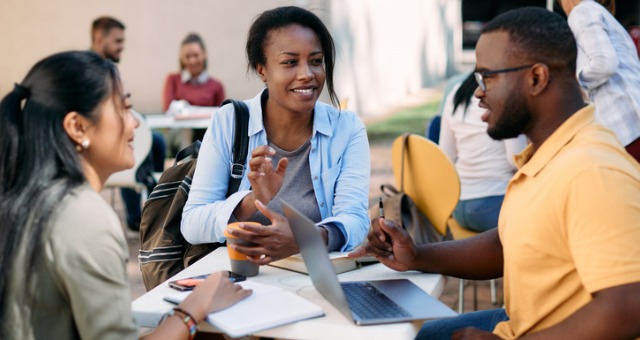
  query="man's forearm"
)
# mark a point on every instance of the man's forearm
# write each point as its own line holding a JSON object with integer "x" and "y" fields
{"x": 476, "y": 258}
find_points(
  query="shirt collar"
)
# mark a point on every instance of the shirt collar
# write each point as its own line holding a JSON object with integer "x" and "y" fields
{"x": 321, "y": 120}
{"x": 185, "y": 77}
{"x": 531, "y": 163}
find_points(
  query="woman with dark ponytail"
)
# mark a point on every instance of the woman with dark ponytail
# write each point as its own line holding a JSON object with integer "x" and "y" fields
{"x": 483, "y": 164}
{"x": 63, "y": 131}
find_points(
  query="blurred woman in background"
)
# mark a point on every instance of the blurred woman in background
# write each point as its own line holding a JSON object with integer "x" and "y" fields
{"x": 192, "y": 85}
{"x": 484, "y": 165}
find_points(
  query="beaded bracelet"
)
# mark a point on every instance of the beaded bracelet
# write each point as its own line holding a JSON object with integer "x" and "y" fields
{"x": 188, "y": 320}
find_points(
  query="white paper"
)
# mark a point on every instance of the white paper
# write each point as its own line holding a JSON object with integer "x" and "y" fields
{"x": 267, "y": 307}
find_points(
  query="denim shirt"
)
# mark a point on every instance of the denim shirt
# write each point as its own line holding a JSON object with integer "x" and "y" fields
{"x": 340, "y": 168}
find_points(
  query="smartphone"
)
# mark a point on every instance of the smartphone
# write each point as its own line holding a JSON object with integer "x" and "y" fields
{"x": 191, "y": 282}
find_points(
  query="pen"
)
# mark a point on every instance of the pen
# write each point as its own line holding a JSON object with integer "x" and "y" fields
{"x": 381, "y": 208}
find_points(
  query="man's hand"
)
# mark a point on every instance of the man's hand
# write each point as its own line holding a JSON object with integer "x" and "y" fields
{"x": 390, "y": 244}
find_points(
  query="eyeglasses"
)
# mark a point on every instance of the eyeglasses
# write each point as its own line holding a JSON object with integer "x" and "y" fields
{"x": 481, "y": 75}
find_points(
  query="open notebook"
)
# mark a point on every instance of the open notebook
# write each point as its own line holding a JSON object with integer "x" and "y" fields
{"x": 267, "y": 307}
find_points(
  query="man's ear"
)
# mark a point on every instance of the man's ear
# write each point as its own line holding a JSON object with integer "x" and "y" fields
{"x": 75, "y": 125}
{"x": 539, "y": 79}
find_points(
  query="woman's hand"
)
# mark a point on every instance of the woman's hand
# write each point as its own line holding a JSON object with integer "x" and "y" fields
{"x": 215, "y": 293}
{"x": 273, "y": 242}
{"x": 265, "y": 180}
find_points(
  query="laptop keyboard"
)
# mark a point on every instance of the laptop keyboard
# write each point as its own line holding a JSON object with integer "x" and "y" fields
{"x": 367, "y": 302}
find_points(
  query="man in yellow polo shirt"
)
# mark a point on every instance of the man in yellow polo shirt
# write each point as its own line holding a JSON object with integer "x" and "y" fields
{"x": 568, "y": 237}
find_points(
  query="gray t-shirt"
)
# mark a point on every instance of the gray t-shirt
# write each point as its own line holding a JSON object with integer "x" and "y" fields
{"x": 297, "y": 190}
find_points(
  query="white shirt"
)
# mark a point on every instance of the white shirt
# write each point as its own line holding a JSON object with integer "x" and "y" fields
{"x": 608, "y": 68}
{"x": 483, "y": 164}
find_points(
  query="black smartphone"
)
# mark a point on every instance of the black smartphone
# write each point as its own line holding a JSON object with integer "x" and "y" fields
{"x": 191, "y": 282}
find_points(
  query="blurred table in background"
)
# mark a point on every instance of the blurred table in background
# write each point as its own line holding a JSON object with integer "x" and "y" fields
{"x": 194, "y": 117}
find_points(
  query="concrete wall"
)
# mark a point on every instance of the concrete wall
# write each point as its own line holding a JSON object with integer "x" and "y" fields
{"x": 389, "y": 49}
{"x": 386, "y": 49}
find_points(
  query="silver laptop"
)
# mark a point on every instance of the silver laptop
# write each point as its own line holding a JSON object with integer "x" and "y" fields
{"x": 364, "y": 302}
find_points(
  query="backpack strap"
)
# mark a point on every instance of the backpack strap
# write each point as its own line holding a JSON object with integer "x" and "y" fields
{"x": 240, "y": 144}
{"x": 191, "y": 150}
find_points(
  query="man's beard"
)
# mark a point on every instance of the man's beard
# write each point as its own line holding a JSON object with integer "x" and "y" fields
{"x": 112, "y": 57}
{"x": 514, "y": 120}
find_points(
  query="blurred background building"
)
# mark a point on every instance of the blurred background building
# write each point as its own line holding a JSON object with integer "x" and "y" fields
{"x": 387, "y": 50}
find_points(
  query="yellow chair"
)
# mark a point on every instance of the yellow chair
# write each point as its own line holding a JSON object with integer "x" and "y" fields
{"x": 430, "y": 179}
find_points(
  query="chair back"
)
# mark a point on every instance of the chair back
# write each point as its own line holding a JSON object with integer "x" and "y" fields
{"x": 141, "y": 148}
{"x": 427, "y": 176}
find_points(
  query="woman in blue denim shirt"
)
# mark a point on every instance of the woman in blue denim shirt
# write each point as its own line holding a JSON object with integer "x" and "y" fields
{"x": 309, "y": 154}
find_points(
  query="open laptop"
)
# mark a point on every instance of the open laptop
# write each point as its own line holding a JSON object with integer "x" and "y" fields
{"x": 364, "y": 302}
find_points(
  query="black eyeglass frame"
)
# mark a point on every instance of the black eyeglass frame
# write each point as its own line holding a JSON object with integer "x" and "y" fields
{"x": 480, "y": 75}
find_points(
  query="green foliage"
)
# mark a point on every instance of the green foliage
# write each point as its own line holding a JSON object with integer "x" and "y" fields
{"x": 413, "y": 120}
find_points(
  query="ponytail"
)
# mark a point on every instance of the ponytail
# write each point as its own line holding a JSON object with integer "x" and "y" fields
{"x": 11, "y": 127}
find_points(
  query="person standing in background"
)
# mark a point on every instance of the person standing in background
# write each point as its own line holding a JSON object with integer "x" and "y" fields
{"x": 607, "y": 67}
{"x": 193, "y": 83}
{"x": 484, "y": 165}
{"x": 107, "y": 40}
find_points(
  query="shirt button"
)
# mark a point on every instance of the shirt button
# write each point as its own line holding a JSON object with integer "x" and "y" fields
{"x": 322, "y": 204}
{"x": 315, "y": 178}
{"x": 313, "y": 150}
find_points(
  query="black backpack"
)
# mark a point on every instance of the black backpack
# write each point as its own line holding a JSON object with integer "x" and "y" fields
{"x": 163, "y": 250}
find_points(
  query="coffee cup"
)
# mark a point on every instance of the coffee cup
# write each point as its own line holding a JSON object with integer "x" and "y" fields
{"x": 240, "y": 264}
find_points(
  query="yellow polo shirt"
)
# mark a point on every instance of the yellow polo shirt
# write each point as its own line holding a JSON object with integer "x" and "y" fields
{"x": 569, "y": 225}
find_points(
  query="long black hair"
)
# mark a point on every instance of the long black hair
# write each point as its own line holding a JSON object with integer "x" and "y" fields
{"x": 464, "y": 93}
{"x": 38, "y": 164}
{"x": 286, "y": 16}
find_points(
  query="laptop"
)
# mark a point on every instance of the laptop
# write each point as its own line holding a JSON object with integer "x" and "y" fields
{"x": 363, "y": 302}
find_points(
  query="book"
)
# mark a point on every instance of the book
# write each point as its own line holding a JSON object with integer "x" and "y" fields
{"x": 267, "y": 307}
{"x": 341, "y": 263}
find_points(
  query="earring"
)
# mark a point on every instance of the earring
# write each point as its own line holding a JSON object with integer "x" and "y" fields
{"x": 83, "y": 145}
